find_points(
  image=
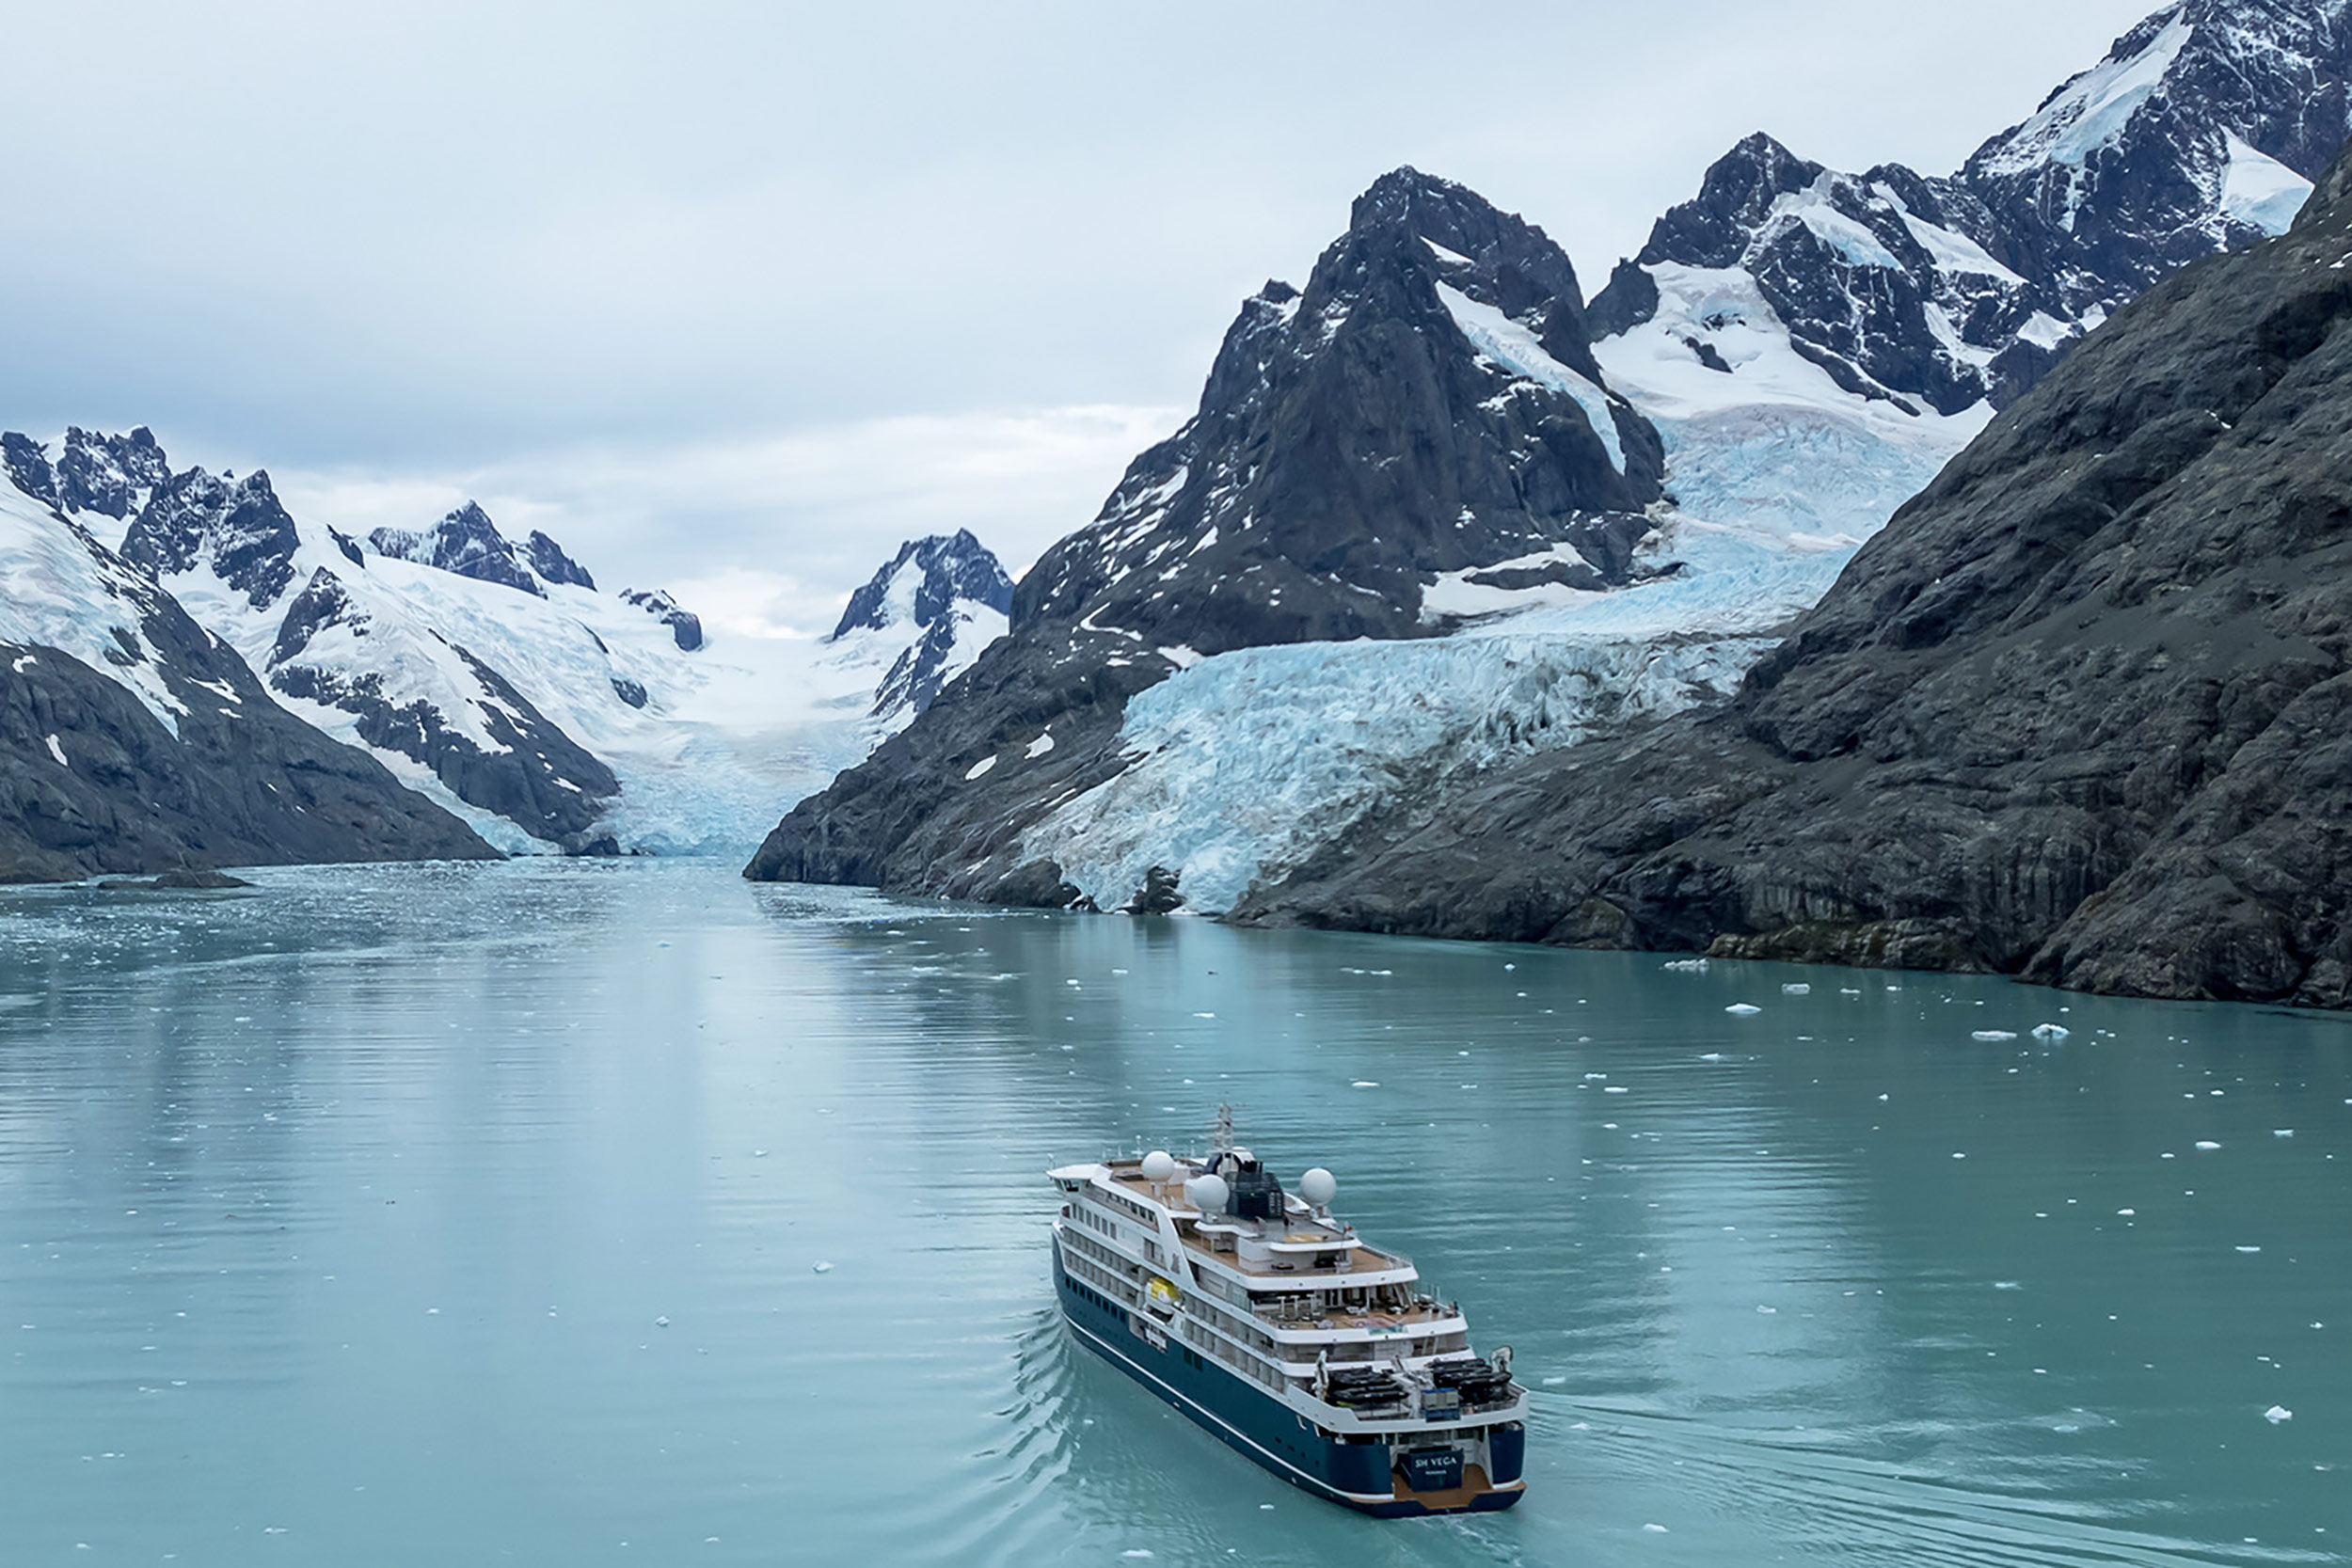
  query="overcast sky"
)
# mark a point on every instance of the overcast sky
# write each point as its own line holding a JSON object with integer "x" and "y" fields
{"x": 733, "y": 298}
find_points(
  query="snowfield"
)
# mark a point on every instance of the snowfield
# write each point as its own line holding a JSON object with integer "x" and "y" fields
{"x": 1774, "y": 445}
{"x": 61, "y": 588}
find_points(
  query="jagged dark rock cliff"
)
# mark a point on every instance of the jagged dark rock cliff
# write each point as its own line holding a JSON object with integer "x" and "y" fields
{"x": 468, "y": 543}
{"x": 2079, "y": 713}
{"x": 2197, "y": 134}
{"x": 935, "y": 585}
{"x": 1428, "y": 405}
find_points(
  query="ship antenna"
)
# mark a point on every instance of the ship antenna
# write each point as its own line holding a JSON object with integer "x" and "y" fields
{"x": 1224, "y": 1139}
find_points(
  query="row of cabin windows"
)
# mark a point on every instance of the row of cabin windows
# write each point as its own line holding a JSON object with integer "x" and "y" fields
{"x": 1111, "y": 1290}
{"x": 1100, "y": 1258}
{"x": 1127, "y": 1205}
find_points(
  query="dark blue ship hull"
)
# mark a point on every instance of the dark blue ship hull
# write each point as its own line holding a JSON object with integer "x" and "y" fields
{"x": 1361, "y": 1476}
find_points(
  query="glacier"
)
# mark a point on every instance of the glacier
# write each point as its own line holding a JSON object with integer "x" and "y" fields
{"x": 1240, "y": 765}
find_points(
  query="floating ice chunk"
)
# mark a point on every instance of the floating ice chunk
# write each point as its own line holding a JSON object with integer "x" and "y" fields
{"x": 1993, "y": 1035}
{"x": 1364, "y": 1084}
{"x": 2207, "y": 1143}
{"x": 1960, "y": 1156}
{"x": 2250, "y": 1249}
{"x": 1204, "y": 1015}
{"x": 2051, "y": 1032}
{"x": 2282, "y": 1131}
{"x": 1655, "y": 1529}
{"x": 1768, "y": 1311}
{"x": 1799, "y": 988}
{"x": 1616, "y": 1089}
{"x": 1743, "y": 1009}
{"x": 2127, "y": 1213}
{"x": 661, "y": 1322}
{"x": 1712, "y": 1056}
{"x": 1685, "y": 966}
{"x": 2276, "y": 1414}
{"x": 1554, "y": 1382}
{"x": 820, "y": 1268}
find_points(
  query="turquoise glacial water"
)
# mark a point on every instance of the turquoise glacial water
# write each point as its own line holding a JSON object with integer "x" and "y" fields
{"x": 624, "y": 1214}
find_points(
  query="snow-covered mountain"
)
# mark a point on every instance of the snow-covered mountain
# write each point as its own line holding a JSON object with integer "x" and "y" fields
{"x": 133, "y": 739}
{"x": 492, "y": 675}
{"x": 1795, "y": 354}
{"x": 1813, "y": 346}
{"x": 468, "y": 543}
{"x": 928, "y": 612}
{"x": 1420, "y": 437}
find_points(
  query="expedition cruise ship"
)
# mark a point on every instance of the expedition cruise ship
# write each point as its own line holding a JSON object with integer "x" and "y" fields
{"x": 1274, "y": 1325}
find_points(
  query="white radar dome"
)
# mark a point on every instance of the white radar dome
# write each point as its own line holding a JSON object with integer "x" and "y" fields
{"x": 1158, "y": 1165}
{"x": 1208, "y": 1193}
{"x": 1318, "y": 1186}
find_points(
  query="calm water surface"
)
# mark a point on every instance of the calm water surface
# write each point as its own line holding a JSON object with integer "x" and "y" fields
{"x": 577, "y": 1213}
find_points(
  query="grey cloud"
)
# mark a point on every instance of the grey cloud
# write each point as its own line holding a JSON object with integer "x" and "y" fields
{"x": 416, "y": 239}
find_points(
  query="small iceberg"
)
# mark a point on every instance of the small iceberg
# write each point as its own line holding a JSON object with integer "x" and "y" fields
{"x": 1686, "y": 966}
{"x": 2051, "y": 1033}
{"x": 1743, "y": 1009}
{"x": 1989, "y": 1035}
{"x": 2276, "y": 1414}
{"x": 1797, "y": 989}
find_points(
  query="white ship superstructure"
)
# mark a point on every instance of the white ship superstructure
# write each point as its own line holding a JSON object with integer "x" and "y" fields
{"x": 1275, "y": 1326}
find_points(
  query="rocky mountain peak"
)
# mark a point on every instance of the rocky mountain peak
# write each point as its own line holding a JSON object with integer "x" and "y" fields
{"x": 468, "y": 543}
{"x": 109, "y": 476}
{"x": 2200, "y": 132}
{"x": 924, "y": 581}
{"x": 552, "y": 563}
{"x": 236, "y": 526}
{"x": 1421, "y": 427}
{"x": 1736, "y": 197}
{"x": 1427, "y": 405}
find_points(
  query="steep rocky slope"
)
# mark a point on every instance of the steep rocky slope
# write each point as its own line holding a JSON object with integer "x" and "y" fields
{"x": 131, "y": 739}
{"x": 2079, "y": 713}
{"x": 1424, "y": 421}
